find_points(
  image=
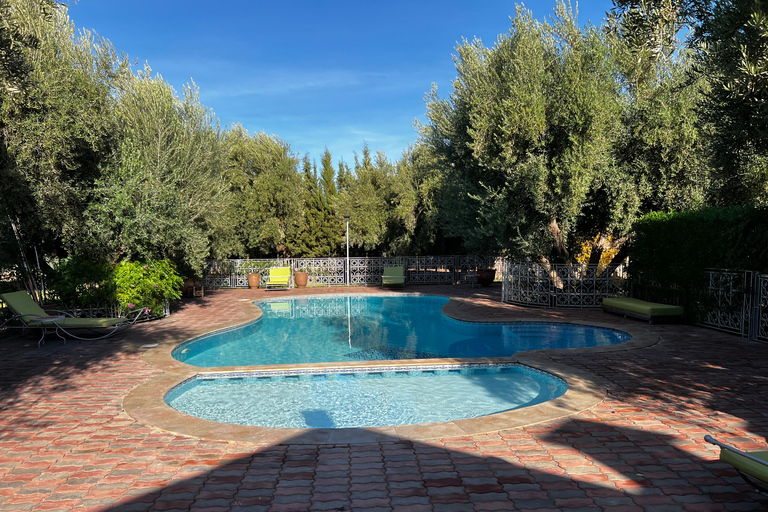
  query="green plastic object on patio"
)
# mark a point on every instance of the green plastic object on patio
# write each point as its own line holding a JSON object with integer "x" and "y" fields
{"x": 637, "y": 308}
{"x": 393, "y": 276}
{"x": 752, "y": 466}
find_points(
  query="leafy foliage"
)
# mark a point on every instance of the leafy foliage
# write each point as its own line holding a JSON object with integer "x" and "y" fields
{"x": 734, "y": 57}
{"x": 57, "y": 134}
{"x": 553, "y": 141}
{"x": 150, "y": 284}
{"x": 525, "y": 135}
{"x": 80, "y": 282}
{"x": 676, "y": 248}
{"x": 164, "y": 195}
{"x": 266, "y": 212}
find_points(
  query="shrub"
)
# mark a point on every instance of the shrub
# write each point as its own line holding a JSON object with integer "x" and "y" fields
{"x": 255, "y": 267}
{"x": 150, "y": 284}
{"x": 676, "y": 248}
{"x": 79, "y": 281}
{"x": 671, "y": 252}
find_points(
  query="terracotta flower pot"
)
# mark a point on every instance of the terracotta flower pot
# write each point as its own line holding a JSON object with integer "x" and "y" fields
{"x": 300, "y": 279}
{"x": 486, "y": 276}
{"x": 254, "y": 280}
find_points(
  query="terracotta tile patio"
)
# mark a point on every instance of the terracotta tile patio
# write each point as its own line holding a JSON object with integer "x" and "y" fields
{"x": 67, "y": 444}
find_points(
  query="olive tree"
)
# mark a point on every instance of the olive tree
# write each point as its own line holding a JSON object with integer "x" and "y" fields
{"x": 525, "y": 136}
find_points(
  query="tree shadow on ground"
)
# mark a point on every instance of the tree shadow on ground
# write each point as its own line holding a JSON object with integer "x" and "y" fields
{"x": 55, "y": 367}
{"x": 574, "y": 465}
{"x": 696, "y": 374}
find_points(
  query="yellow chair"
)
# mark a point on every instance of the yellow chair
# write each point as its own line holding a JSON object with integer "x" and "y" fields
{"x": 393, "y": 276}
{"x": 278, "y": 278}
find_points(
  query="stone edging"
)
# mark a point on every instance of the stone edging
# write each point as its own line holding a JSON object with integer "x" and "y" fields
{"x": 146, "y": 405}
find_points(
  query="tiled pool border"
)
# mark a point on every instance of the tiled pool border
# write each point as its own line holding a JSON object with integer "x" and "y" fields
{"x": 146, "y": 403}
{"x": 352, "y": 371}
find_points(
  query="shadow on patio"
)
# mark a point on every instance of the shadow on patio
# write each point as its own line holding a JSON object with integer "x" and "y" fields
{"x": 568, "y": 465}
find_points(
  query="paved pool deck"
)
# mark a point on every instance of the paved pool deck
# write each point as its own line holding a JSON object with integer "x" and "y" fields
{"x": 67, "y": 443}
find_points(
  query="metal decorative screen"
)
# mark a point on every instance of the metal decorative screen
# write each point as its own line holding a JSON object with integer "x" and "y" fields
{"x": 563, "y": 286}
{"x": 739, "y": 303}
{"x": 362, "y": 271}
{"x": 323, "y": 271}
{"x": 761, "y": 307}
{"x": 365, "y": 271}
{"x": 730, "y": 310}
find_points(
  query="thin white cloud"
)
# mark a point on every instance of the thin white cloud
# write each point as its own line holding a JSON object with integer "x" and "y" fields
{"x": 254, "y": 80}
{"x": 274, "y": 83}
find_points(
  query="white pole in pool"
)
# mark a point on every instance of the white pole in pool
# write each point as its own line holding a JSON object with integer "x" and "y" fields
{"x": 346, "y": 276}
{"x": 349, "y": 322}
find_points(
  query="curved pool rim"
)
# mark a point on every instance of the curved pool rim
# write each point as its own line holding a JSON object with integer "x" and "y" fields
{"x": 146, "y": 404}
{"x": 256, "y": 303}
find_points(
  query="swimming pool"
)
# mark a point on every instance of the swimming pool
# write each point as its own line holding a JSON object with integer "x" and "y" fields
{"x": 375, "y": 327}
{"x": 368, "y": 397}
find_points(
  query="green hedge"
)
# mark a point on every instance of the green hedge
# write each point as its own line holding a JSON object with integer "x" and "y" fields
{"x": 674, "y": 249}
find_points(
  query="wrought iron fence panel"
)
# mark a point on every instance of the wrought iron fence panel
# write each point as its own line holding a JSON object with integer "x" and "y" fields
{"x": 322, "y": 271}
{"x": 761, "y": 307}
{"x": 233, "y": 273}
{"x": 430, "y": 269}
{"x": 732, "y": 301}
{"x": 92, "y": 311}
{"x": 527, "y": 284}
{"x": 366, "y": 271}
{"x": 468, "y": 264}
{"x": 362, "y": 271}
{"x": 564, "y": 286}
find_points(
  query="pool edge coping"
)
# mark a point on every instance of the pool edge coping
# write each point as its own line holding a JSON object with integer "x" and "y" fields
{"x": 146, "y": 403}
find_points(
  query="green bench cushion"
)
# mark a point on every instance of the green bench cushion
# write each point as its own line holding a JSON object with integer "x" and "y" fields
{"x": 650, "y": 309}
{"x": 393, "y": 275}
{"x": 81, "y": 323}
{"x": 750, "y": 467}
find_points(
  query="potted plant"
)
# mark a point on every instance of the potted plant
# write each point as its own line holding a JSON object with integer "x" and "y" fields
{"x": 300, "y": 277}
{"x": 485, "y": 276}
{"x": 254, "y": 278}
{"x": 254, "y": 270}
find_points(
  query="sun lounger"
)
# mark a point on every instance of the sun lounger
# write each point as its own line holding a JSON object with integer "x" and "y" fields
{"x": 28, "y": 314}
{"x": 651, "y": 311}
{"x": 751, "y": 466}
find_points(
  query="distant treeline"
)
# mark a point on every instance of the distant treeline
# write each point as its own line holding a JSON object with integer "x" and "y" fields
{"x": 555, "y": 136}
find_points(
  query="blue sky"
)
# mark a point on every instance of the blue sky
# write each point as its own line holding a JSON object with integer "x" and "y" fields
{"x": 332, "y": 74}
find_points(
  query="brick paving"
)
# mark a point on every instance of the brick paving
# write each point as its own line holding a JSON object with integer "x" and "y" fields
{"x": 66, "y": 444}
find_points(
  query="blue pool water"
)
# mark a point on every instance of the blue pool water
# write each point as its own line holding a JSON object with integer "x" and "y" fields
{"x": 364, "y": 328}
{"x": 365, "y": 398}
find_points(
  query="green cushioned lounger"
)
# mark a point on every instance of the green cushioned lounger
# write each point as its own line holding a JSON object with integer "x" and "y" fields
{"x": 641, "y": 309}
{"x": 752, "y": 466}
{"x": 393, "y": 276}
{"x": 30, "y": 315}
